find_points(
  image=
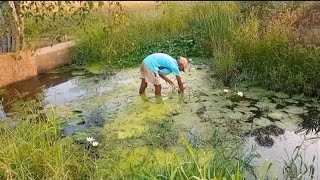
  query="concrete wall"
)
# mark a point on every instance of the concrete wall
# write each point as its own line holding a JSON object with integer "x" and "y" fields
{"x": 52, "y": 57}
{"x": 31, "y": 64}
{"x": 14, "y": 70}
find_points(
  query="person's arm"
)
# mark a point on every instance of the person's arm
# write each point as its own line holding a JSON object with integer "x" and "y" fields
{"x": 180, "y": 84}
{"x": 166, "y": 79}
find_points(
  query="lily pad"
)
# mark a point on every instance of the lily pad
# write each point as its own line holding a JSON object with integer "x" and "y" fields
{"x": 281, "y": 95}
{"x": 308, "y": 105}
{"x": 262, "y": 121}
{"x": 216, "y": 92}
{"x": 258, "y": 93}
{"x": 248, "y": 115}
{"x": 80, "y": 136}
{"x": 204, "y": 98}
{"x": 242, "y": 109}
{"x": 213, "y": 114}
{"x": 243, "y": 103}
{"x": 294, "y": 110}
{"x": 278, "y": 115}
{"x": 216, "y": 98}
{"x": 302, "y": 98}
{"x": 227, "y": 103}
{"x": 287, "y": 125}
{"x": 226, "y": 110}
{"x": 266, "y": 105}
{"x": 253, "y": 95}
{"x": 235, "y": 115}
{"x": 292, "y": 101}
{"x": 294, "y": 118}
{"x": 253, "y": 108}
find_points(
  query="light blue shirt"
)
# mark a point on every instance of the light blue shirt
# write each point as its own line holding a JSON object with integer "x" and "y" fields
{"x": 162, "y": 63}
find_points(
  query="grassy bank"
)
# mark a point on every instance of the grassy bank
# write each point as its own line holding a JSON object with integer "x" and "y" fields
{"x": 34, "y": 149}
{"x": 124, "y": 40}
{"x": 263, "y": 45}
{"x": 256, "y": 42}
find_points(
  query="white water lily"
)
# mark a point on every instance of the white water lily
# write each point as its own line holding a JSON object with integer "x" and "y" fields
{"x": 225, "y": 90}
{"x": 90, "y": 139}
{"x": 94, "y": 143}
{"x": 240, "y": 93}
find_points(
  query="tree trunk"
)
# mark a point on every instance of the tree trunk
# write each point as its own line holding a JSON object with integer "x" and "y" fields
{"x": 13, "y": 24}
{"x": 5, "y": 44}
{"x": 20, "y": 42}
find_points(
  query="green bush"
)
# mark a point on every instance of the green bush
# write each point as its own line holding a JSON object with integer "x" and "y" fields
{"x": 124, "y": 40}
{"x": 274, "y": 59}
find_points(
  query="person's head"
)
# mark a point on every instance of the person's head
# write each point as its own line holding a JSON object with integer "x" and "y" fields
{"x": 182, "y": 63}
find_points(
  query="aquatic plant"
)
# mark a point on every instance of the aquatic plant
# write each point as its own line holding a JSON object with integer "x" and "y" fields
{"x": 240, "y": 93}
{"x": 296, "y": 168}
{"x": 92, "y": 141}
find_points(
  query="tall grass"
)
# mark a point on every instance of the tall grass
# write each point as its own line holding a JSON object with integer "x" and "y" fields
{"x": 34, "y": 149}
{"x": 109, "y": 38}
{"x": 260, "y": 44}
{"x": 269, "y": 54}
{"x": 215, "y": 167}
{"x": 218, "y": 21}
{"x": 155, "y": 163}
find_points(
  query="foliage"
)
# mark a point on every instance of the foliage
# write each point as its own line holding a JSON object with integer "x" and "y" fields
{"x": 261, "y": 44}
{"x": 180, "y": 45}
{"x": 296, "y": 168}
{"x": 215, "y": 167}
{"x": 273, "y": 58}
{"x": 124, "y": 41}
{"x": 217, "y": 21}
{"x": 34, "y": 149}
{"x": 38, "y": 13}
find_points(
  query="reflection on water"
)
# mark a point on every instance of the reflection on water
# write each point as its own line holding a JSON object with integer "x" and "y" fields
{"x": 62, "y": 92}
{"x": 277, "y": 146}
{"x": 283, "y": 149}
{"x": 311, "y": 122}
{"x": 54, "y": 86}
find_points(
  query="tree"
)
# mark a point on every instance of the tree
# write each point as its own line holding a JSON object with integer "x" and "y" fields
{"x": 12, "y": 14}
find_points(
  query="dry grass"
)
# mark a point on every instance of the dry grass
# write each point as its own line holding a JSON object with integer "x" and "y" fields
{"x": 308, "y": 25}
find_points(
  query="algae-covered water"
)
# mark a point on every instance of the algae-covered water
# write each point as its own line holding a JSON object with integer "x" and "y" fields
{"x": 128, "y": 126}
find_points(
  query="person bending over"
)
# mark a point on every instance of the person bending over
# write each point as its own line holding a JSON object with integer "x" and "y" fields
{"x": 158, "y": 65}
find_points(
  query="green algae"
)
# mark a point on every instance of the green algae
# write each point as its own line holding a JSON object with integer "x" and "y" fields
{"x": 95, "y": 68}
{"x": 134, "y": 120}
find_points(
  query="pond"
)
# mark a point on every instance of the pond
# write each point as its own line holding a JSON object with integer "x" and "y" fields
{"x": 108, "y": 107}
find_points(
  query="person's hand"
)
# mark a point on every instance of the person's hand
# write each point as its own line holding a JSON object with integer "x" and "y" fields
{"x": 170, "y": 82}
